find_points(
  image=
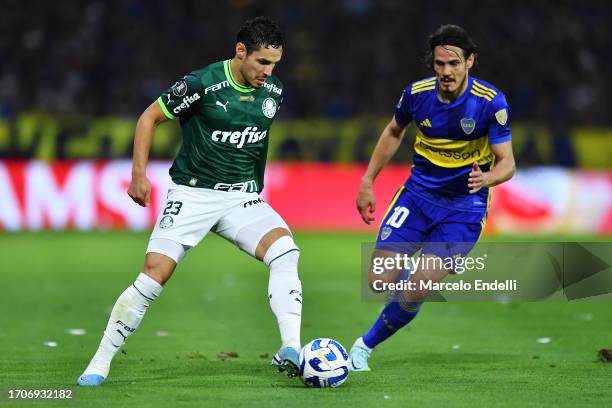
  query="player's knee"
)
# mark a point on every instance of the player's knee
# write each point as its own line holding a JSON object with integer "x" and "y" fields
{"x": 284, "y": 252}
{"x": 269, "y": 239}
{"x": 159, "y": 267}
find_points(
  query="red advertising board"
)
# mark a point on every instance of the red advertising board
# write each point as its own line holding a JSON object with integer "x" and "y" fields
{"x": 87, "y": 195}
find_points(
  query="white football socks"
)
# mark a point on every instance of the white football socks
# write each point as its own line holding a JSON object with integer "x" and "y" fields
{"x": 124, "y": 319}
{"x": 285, "y": 290}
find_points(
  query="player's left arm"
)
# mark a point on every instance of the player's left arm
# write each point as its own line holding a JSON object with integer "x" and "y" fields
{"x": 500, "y": 143}
{"x": 260, "y": 165}
{"x": 502, "y": 171}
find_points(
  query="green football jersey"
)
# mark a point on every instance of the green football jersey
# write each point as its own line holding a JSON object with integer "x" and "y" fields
{"x": 225, "y": 128}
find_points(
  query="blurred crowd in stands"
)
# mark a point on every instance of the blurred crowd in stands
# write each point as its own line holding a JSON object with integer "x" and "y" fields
{"x": 342, "y": 57}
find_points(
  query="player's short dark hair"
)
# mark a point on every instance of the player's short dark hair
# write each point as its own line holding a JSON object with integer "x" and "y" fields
{"x": 450, "y": 34}
{"x": 260, "y": 32}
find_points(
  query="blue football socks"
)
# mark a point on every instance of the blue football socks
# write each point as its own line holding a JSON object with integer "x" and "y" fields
{"x": 393, "y": 317}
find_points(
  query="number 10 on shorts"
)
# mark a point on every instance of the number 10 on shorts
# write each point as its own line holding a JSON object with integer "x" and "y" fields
{"x": 398, "y": 217}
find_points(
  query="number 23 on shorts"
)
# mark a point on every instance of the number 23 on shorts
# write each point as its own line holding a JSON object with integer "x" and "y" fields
{"x": 173, "y": 207}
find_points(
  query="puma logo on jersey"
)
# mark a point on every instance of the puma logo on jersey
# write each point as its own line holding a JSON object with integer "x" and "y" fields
{"x": 239, "y": 139}
{"x": 224, "y": 106}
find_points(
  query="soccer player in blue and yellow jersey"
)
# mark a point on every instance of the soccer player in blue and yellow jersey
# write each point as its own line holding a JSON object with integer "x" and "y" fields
{"x": 462, "y": 149}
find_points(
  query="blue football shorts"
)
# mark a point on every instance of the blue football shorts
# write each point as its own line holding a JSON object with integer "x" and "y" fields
{"x": 414, "y": 222}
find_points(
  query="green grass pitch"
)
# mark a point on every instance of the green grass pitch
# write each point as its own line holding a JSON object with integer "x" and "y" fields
{"x": 456, "y": 354}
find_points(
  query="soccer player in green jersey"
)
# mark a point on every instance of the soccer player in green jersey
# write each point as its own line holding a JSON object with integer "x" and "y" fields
{"x": 225, "y": 111}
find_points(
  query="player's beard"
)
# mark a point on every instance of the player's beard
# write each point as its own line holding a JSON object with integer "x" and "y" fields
{"x": 452, "y": 95}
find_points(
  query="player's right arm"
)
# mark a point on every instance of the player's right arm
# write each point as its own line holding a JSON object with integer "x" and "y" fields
{"x": 140, "y": 186}
{"x": 180, "y": 99}
{"x": 388, "y": 143}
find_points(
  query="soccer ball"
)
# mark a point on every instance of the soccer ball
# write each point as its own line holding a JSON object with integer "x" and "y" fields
{"x": 324, "y": 363}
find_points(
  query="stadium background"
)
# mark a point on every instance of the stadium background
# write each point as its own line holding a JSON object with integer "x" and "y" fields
{"x": 75, "y": 75}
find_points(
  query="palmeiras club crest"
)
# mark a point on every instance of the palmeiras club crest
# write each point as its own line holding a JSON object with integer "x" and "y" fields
{"x": 268, "y": 107}
{"x": 166, "y": 222}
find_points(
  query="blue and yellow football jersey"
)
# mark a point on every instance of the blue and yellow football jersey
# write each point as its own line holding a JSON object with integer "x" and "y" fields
{"x": 452, "y": 136}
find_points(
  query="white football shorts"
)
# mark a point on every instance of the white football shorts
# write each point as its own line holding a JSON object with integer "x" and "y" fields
{"x": 190, "y": 213}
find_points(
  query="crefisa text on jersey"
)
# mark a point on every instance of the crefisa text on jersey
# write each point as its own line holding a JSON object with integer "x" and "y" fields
{"x": 186, "y": 103}
{"x": 239, "y": 138}
{"x": 273, "y": 88}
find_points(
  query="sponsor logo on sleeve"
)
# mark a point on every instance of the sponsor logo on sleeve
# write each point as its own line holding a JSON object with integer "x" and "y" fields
{"x": 186, "y": 103}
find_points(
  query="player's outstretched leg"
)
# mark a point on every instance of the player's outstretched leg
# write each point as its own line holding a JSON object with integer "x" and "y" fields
{"x": 160, "y": 262}
{"x": 285, "y": 295}
{"x": 124, "y": 319}
{"x": 393, "y": 317}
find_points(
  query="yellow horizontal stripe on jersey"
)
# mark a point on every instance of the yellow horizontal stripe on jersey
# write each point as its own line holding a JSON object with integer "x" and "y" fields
{"x": 429, "y": 88}
{"x": 423, "y": 81}
{"x": 453, "y": 153}
{"x": 484, "y": 89}
{"x": 424, "y": 84}
{"x": 421, "y": 84}
{"x": 491, "y": 94}
{"x": 487, "y": 97}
